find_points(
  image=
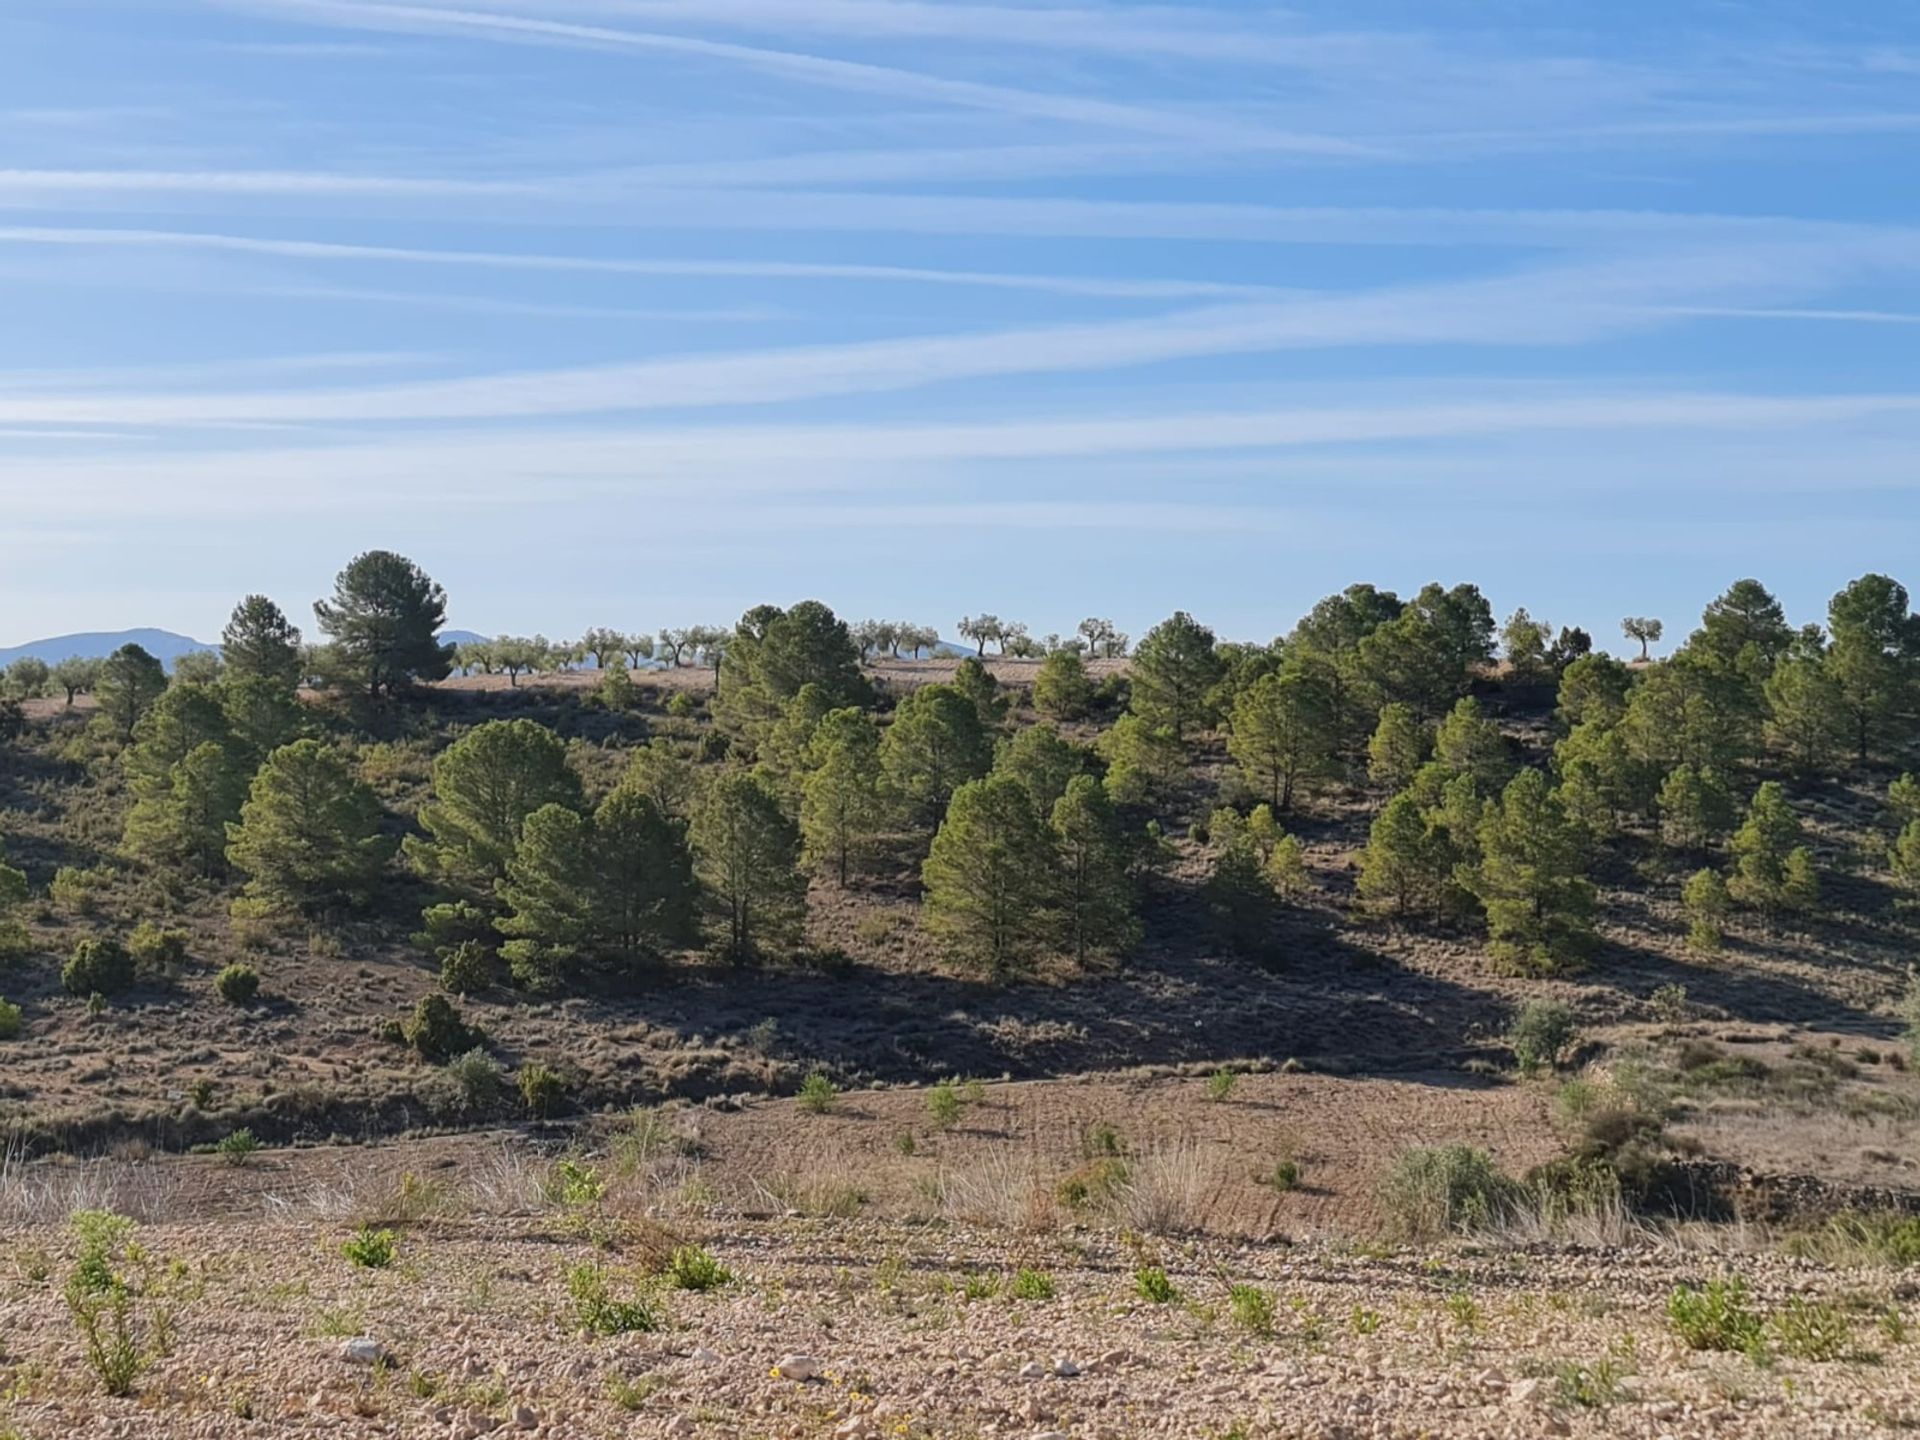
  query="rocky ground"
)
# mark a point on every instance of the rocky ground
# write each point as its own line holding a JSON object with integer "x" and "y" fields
{"x": 841, "y": 1324}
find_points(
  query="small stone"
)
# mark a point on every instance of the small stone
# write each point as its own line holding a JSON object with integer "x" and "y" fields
{"x": 364, "y": 1350}
{"x": 1065, "y": 1368}
{"x": 1032, "y": 1370}
{"x": 524, "y": 1418}
{"x": 677, "y": 1427}
{"x": 796, "y": 1367}
{"x": 1526, "y": 1391}
{"x": 703, "y": 1356}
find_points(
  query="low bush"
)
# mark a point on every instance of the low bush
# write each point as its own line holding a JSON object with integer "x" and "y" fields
{"x": 543, "y": 1089}
{"x": 475, "y": 1081}
{"x": 467, "y": 968}
{"x": 156, "y": 951}
{"x": 1031, "y": 1285}
{"x": 77, "y": 891}
{"x": 1220, "y": 1085}
{"x": 12, "y": 1022}
{"x": 237, "y": 984}
{"x": 99, "y": 966}
{"x": 597, "y": 1311}
{"x": 1540, "y": 1033}
{"x": 1714, "y": 1316}
{"x": 371, "y": 1249}
{"x": 1449, "y": 1189}
{"x": 1151, "y": 1284}
{"x": 1812, "y": 1330}
{"x": 1252, "y": 1309}
{"x": 436, "y": 1031}
{"x": 817, "y": 1094}
{"x": 239, "y": 1147}
{"x": 694, "y": 1268}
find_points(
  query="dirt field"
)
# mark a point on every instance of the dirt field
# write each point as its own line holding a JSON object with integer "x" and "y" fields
{"x": 913, "y": 1309}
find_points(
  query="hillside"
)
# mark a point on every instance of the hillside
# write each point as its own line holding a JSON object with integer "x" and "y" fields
{"x": 163, "y": 645}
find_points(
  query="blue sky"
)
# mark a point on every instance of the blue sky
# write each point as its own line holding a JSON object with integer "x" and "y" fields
{"x": 636, "y": 312}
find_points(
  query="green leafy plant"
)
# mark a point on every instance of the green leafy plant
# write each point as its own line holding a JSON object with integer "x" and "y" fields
{"x": 1252, "y": 1309}
{"x": 694, "y": 1268}
{"x": 944, "y": 1106}
{"x": 1029, "y": 1284}
{"x": 1540, "y": 1033}
{"x": 115, "y": 1296}
{"x": 1715, "y": 1316}
{"x": 1812, "y": 1330}
{"x": 817, "y": 1094}
{"x": 1151, "y": 1284}
{"x": 371, "y": 1249}
{"x": 12, "y": 1021}
{"x": 597, "y": 1311}
{"x": 1220, "y": 1085}
{"x": 98, "y": 966}
{"x": 543, "y": 1089}
{"x": 238, "y": 1147}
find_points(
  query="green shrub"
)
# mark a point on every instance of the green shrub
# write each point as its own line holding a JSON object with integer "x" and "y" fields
{"x": 817, "y": 1095}
{"x": 1867, "y": 1237}
{"x": 1811, "y": 1330}
{"x": 1151, "y": 1284}
{"x": 1220, "y": 1084}
{"x": 371, "y": 1249}
{"x": 99, "y": 966}
{"x": 16, "y": 941}
{"x": 693, "y": 1268}
{"x": 596, "y": 1311}
{"x": 1715, "y": 1316}
{"x": 1031, "y": 1285}
{"x": 75, "y": 890}
{"x": 107, "y": 1291}
{"x": 475, "y": 1080}
{"x": 238, "y": 1147}
{"x": 12, "y": 1022}
{"x": 237, "y": 984}
{"x": 1284, "y": 1176}
{"x": 1444, "y": 1190}
{"x": 543, "y": 1089}
{"x": 1540, "y": 1033}
{"x": 156, "y": 951}
{"x": 467, "y": 968}
{"x": 436, "y": 1031}
{"x": 1252, "y": 1308}
{"x": 943, "y": 1105}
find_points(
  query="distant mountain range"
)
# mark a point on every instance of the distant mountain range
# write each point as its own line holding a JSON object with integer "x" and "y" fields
{"x": 166, "y": 646}
{"x": 163, "y": 645}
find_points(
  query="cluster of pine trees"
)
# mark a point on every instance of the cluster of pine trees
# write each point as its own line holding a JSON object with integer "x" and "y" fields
{"x": 1025, "y": 838}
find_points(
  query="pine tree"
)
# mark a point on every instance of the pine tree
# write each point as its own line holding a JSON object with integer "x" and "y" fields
{"x": 1173, "y": 671}
{"x": 1696, "y": 809}
{"x": 1061, "y": 689}
{"x": 841, "y": 807}
{"x": 309, "y": 834}
{"x": 746, "y": 854}
{"x": 485, "y": 785}
{"x": 1762, "y": 848}
{"x": 1144, "y": 761}
{"x": 1468, "y": 743}
{"x": 987, "y": 876}
{"x": 1094, "y": 895}
{"x": 1283, "y": 734}
{"x": 1807, "y": 712}
{"x": 616, "y": 883}
{"x": 1044, "y": 761}
{"x": 1287, "y": 868}
{"x": 1239, "y": 895}
{"x": 1405, "y": 861}
{"x": 384, "y": 623}
{"x": 181, "y": 818}
{"x": 1904, "y": 857}
{"x": 1399, "y": 747}
{"x": 972, "y": 680}
{"x": 934, "y": 745}
{"x": 1706, "y": 900}
{"x": 1531, "y": 878}
{"x": 129, "y": 684}
{"x": 260, "y": 643}
{"x": 262, "y": 714}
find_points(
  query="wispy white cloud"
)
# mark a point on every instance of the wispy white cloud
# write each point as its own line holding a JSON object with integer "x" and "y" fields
{"x": 1116, "y": 287}
{"x": 835, "y": 73}
{"x": 483, "y": 466}
{"x": 1549, "y": 307}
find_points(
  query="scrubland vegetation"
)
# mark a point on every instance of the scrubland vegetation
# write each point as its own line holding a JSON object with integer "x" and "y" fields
{"x": 1625, "y": 941}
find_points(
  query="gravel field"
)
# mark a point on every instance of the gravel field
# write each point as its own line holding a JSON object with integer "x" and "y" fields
{"x": 868, "y": 1329}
